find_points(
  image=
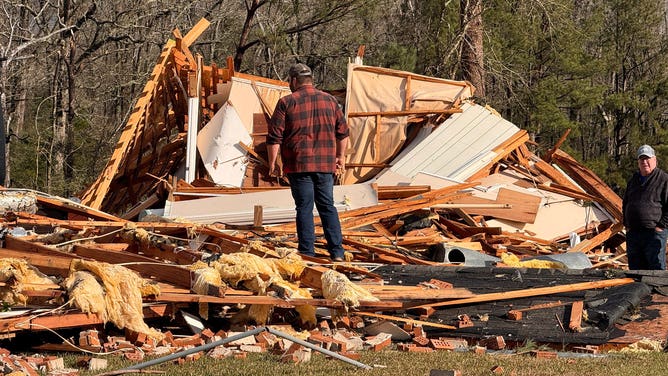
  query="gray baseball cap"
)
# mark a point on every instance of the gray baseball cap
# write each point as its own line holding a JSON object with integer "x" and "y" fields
{"x": 646, "y": 151}
{"x": 299, "y": 70}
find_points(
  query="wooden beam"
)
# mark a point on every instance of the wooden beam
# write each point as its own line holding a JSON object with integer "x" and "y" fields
{"x": 587, "y": 245}
{"x": 145, "y": 266}
{"x": 575, "y": 322}
{"x": 548, "y": 156}
{"x": 404, "y": 113}
{"x": 536, "y": 291}
{"x": 407, "y": 320}
{"x": 195, "y": 32}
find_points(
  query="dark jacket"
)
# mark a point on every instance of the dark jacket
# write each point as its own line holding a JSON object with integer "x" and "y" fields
{"x": 645, "y": 205}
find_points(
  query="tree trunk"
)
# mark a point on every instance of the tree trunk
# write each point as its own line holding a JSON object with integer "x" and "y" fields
{"x": 473, "y": 69}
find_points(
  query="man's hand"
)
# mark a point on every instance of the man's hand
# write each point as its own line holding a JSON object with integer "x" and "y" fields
{"x": 340, "y": 165}
{"x": 275, "y": 170}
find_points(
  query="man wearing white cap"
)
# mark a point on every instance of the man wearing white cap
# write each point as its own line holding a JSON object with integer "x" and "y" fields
{"x": 645, "y": 211}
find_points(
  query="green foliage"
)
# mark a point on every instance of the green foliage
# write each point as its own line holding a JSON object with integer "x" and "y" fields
{"x": 396, "y": 56}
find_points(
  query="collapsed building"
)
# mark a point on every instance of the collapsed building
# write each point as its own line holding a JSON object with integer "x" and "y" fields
{"x": 451, "y": 223}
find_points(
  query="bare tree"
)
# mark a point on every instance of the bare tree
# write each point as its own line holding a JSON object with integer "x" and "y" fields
{"x": 23, "y": 30}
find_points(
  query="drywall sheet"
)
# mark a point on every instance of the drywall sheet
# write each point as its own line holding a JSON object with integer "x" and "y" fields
{"x": 218, "y": 145}
{"x": 278, "y": 205}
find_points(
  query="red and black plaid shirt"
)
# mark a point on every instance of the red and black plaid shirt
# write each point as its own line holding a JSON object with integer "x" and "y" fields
{"x": 307, "y": 124}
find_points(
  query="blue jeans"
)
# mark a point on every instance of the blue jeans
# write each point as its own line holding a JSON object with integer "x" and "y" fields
{"x": 309, "y": 188}
{"x": 646, "y": 249}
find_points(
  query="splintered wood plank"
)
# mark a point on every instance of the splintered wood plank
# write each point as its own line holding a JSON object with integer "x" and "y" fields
{"x": 406, "y": 320}
{"x": 50, "y": 322}
{"x": 74, "y": 208}
{"x": 146, "y": 266}
{"x": 587, "y": 245}
{"x": 536, "y": 291}
{"x": 575, "y": 321}
{"x": 386, "y": 252}
{"x": 147, "y": 203}
{"x": 352, "y": 223}
{"x": 47, "y": 264}
{"x": 195, "y": 32}
{"x": 393, "y": 292}
{"x": 592, "y": 183}
{"x": 393, "y": 192}
{"x": 524, "y": 206}
{"x": 503, "y": 150}
{"x": 269, "y": 300}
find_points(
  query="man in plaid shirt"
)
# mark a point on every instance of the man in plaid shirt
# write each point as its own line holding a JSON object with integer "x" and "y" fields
{"x": 310, "y": 131}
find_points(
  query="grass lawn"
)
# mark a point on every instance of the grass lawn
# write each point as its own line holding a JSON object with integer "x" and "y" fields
{"x": 391, "y": 362}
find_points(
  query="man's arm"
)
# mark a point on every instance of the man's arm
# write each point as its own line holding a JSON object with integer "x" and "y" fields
{"x": 341, "y": 146}
{"x": 272, "y": 152}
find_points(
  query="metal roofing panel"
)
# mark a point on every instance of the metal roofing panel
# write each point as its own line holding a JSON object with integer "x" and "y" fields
{"x": 459, "y": 147}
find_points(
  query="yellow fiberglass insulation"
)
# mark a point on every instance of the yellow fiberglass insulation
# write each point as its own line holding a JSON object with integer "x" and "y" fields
{"x": 257, "y": 274}
{"x": 86, "y": 293}
{"x": 18, "y": 272}
{"x": 122, "y": 295}
{"x": 290, "y": 267}
{"x": 288, "y": 264}
{"x": 254, "y": 271}
{"x": 204, "y": 276}
{"x": 512, "y": 260}
{"x": 337, "y": 286}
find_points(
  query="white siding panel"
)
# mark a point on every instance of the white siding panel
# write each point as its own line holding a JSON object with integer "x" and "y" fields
{"x": 459, "y": 147}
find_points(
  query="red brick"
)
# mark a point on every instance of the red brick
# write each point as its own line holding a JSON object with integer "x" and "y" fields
{"x": 266, "y": 339}
{"x": 480, "y": 350}
{"x": 207, "y": 334}
{"x": 515, "y": 315}
{"x": 238, "y": 354}
{"x": 356, "y": 322}
{"x": 440, "y": 345}
{"x": 134, "y": 356}
{"x": 194, "y": 340}
{"x": 420, "y": 349}
{"x": 497, "y": 370}
{"x": 464, "y": 321}
{"x": 379, "y": 342}
{"x": 421, "y": 341}
{"x": 544, "y": 354}
{"x": 418, "y": 331}
{"x": 336, "y": 345}
{"x": 344, "y": 322}
{"x": 354, "y": 355}
{"x": 440, "y": 284}
{"x": 168, "y": 339}
{"x": 54, "y": 364}
{"x": 494, "y": 343}
{"x": 405, "y": 346}
{"x": 456, "y": 343}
